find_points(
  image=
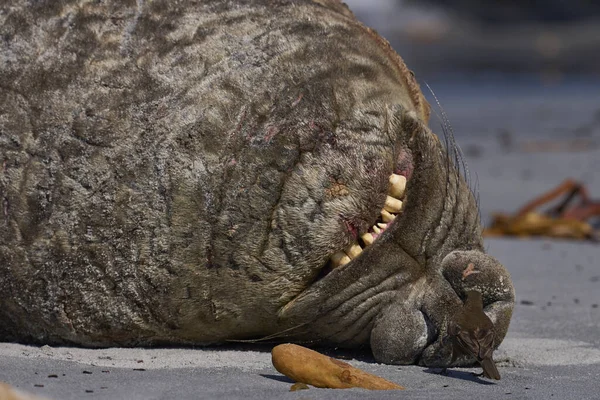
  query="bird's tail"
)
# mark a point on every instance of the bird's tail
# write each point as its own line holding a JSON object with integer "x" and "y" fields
{"x": 489, "y": 368}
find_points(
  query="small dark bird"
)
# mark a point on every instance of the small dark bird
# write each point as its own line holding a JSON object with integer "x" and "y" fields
{"x": 471, "y": 333}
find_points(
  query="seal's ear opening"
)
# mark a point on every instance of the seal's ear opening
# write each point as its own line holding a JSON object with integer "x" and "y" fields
{"x": 473, "y": 270}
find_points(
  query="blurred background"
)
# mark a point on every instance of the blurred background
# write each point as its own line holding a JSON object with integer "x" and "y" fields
{"x": 544, "y": 37}
{"x": 518, "y": 80}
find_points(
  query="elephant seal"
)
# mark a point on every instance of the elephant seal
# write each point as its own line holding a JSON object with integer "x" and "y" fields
{"x": 195, "y": 172}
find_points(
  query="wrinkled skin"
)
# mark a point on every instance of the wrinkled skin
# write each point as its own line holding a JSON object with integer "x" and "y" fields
{"x": 180, "y": 173}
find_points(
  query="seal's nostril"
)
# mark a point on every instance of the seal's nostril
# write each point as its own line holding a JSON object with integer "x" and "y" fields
{"x": 469, "y": 270}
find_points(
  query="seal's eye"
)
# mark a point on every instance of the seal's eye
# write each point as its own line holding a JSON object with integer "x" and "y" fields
{"x": 392, "y": 207}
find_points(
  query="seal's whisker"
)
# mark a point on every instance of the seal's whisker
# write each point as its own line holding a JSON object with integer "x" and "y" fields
{"x": 275, "y": 335}
{"x": 460, "y": 161}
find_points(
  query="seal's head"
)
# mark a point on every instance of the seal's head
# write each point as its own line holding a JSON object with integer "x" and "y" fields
{"x": 396, "y": 282}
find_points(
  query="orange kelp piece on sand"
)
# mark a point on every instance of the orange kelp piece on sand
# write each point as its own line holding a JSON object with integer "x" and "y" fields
{"x": 313, "y": 368}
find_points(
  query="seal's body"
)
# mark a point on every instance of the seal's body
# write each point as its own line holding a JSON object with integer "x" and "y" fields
{"x": 184, "y": 173}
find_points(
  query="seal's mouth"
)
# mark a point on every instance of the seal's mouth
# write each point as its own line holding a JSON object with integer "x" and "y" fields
{"x": 392, "y": 208}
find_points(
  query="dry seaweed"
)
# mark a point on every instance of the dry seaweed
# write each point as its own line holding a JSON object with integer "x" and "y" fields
{"x": 312, "y": 368}
{"x": 571, "y": 218}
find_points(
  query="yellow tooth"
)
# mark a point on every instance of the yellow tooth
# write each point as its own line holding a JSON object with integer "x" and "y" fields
{"x": 397, "y": 186}
{"x": 354, "y": 251}
{"x": 382, "y": 225}
{"x": 367, "y": 238}
{"x": 340, "y": 258}
{"x": 392, "y": 205}
{"x": 376, "y": 229}
{"x": 386, "y": 216}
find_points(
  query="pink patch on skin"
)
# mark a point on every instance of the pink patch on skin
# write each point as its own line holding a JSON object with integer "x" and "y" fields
{"x": 350, "y": 227}
{"x": 404, "y": 164}
{"x": 404, "y": 172}
{"x": 271, "y": 132}
{"x": 295, "y": 103}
